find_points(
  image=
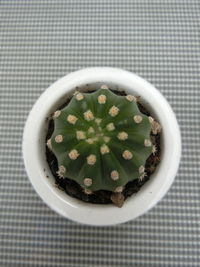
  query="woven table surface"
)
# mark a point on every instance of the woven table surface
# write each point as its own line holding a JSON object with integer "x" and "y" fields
{"x": 41, "y": 41}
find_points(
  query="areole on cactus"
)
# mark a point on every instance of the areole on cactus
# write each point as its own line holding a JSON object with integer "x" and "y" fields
{"x": 101, "y": 140}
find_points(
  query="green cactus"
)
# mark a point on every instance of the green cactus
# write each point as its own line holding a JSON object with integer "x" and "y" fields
{"x": 101, "y": 140}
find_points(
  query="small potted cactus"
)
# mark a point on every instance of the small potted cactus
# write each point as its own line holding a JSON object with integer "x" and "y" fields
{"x": 86, "y": 150}
{"x": 101, "y": 140}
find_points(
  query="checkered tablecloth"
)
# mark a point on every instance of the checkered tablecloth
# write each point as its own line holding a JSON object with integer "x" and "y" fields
{"x": 42, "y": 40}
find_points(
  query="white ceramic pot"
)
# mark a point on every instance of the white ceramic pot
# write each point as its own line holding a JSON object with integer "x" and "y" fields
{"x": 41, "y": 177}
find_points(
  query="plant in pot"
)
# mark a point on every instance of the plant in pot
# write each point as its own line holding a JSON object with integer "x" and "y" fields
{"x": 101, "y": 147}
{"x": 85, "y": 151}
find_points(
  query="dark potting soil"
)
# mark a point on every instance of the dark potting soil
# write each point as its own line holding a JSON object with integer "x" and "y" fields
{"x": 102, "y": 196}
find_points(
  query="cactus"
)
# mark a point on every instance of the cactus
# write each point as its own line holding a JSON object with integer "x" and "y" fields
{"x": 101, "y": 140}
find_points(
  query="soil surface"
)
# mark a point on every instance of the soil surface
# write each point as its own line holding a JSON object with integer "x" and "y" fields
{"x": 102, "y": 196}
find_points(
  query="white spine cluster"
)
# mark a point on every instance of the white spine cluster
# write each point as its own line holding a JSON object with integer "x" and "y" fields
{"x": 131, "y": 98}
{"x": 80, "y": 135}
{"x": 72, "y": 119}
{"x": 114, "y": 175}
{"x": 61, "y": 171}
{"x": 119, "y": 189}
{"x": 147, "y": 142}
{"x": 88, "y": 115}
{"x": 104, "y": 86}
{"x": 59, "y": 138}
{"x": 87, "y": 181}
{"x": 127, "y": 155}
{"x": 49, "y": 145}
{"x": 98, "y": 121}
{"x": 110, "y": 126}
{"x": 79, "y": 96}
{"x": 122, "y": 136}
{"x": 101, "y": 99}
{"x": 56, "y": 114}
{"x": 141, "y": 169}
{"x": 91, "y": 130}
{"x": 137, "y": 118}
{"x": 91, "y": 159}
{"x": 73, "y": 154}
{"x": 113, "y": 111}
{"x": 104, "y": 149}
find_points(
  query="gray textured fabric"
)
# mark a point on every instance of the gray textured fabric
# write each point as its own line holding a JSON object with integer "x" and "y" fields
{"x": 42, "y": 40}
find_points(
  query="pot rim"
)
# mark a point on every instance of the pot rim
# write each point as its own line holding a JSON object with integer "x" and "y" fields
{"x": 41, "y": 177}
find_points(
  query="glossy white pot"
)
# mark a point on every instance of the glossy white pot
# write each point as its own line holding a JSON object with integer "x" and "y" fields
{"x": 38, "y": 169}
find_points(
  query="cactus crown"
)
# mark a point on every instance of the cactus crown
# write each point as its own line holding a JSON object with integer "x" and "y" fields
{"x": 101, "y": 140}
